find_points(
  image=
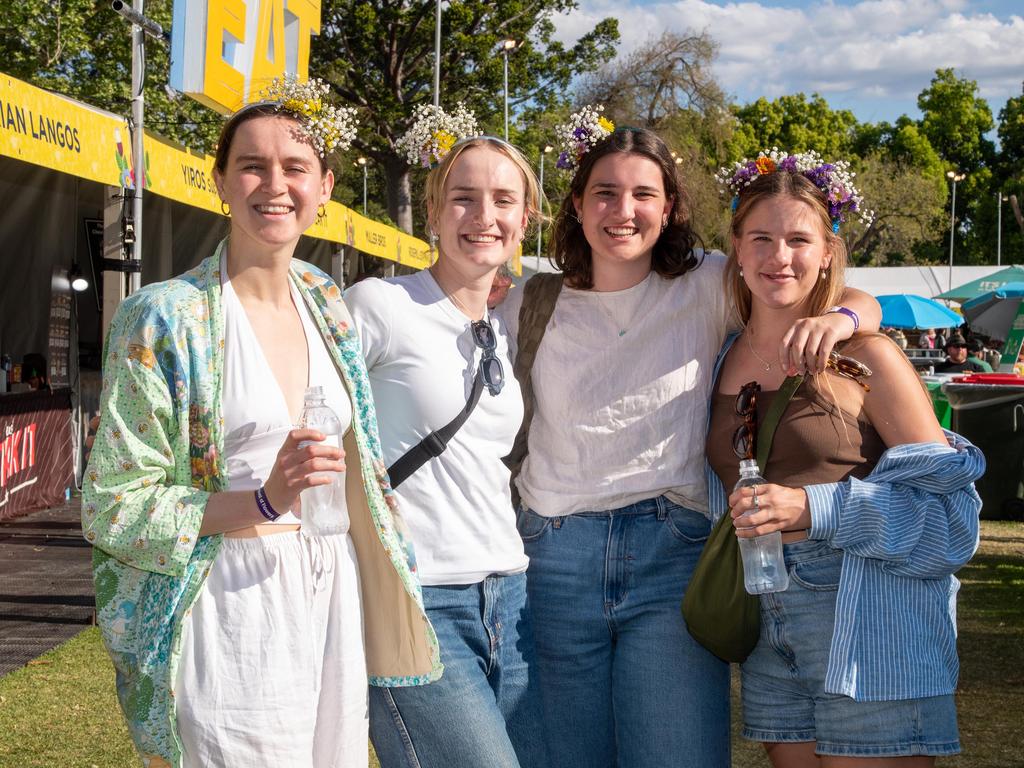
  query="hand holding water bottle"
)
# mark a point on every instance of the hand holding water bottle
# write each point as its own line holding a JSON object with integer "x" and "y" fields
{"x": 304, "y": 461}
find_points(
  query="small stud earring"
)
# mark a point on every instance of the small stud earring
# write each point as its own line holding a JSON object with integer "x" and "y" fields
{"x": 824, "y": 273}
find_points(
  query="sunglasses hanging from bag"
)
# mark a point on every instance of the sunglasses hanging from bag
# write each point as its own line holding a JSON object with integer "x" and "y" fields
{"x": 489, "y": 373}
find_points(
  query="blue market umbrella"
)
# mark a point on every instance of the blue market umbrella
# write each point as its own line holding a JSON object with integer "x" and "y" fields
{"x": 993, "y": 313}
{"x": 906, "y": 310}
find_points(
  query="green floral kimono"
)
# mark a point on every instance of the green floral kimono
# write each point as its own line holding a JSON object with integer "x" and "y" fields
{"x": 157, "y": 458}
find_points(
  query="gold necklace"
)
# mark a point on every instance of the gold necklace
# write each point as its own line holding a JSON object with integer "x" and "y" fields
{"x": 750, "y": 345}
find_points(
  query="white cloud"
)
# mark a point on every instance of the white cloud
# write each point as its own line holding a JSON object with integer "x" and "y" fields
{"x": 863, "y": 50}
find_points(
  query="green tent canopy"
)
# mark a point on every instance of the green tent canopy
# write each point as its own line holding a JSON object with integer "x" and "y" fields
{"x": 975, "y": 288}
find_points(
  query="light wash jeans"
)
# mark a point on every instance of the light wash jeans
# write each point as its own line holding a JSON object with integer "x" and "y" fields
{"x": 485, "y": 710}
{"x": 623, "y": 683}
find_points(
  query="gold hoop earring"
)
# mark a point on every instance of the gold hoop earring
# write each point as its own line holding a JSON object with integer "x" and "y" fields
{"x": 321, "y": 211}
{"x": 225, "y": 208}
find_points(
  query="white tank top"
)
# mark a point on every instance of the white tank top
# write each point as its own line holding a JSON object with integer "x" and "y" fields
{"x": 256, "y": 418}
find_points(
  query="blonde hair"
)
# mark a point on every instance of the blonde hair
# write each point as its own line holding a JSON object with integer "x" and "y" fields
{"x": 438, "y": 176}
{"x": 826, "y": 292}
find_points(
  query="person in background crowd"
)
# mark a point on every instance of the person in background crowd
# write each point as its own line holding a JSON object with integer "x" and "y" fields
{"x": 897, "y": 335}
{"x": 977, "y": 353}
{"x": 956, "y": 357}
{"x": 33, "y": 371}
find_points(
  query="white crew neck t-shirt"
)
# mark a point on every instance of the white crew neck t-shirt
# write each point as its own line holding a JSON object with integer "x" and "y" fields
{"x": 256, "y": 417}
{"x": 622, "y": 382}
{"x": 421, "y": 360}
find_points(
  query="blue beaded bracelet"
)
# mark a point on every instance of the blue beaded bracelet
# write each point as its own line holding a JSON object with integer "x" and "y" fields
{"x": 264, "y": 505}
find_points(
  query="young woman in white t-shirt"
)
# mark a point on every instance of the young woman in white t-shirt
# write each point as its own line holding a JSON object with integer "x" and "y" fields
{"x": 614, "y": 502}
{"x": 426, "y": 338}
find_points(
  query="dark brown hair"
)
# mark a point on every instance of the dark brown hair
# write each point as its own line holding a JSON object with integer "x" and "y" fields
{"x": 783, "y": 184}
{"x": 674, "y": 252}
{"x": 244, "y": 115}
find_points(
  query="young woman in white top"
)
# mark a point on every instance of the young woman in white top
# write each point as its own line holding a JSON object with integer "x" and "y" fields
{"x": 427, "y": 338}
{"x": 614, "y": 502}
{"x": 237, "y": 638}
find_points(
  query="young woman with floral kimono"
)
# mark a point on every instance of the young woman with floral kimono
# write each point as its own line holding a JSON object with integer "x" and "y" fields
{"x": 238, "y": 639}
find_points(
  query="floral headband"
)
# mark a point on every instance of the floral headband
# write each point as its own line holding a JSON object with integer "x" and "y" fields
{"x": 834, "y": 179}
{"x": 327, "y": 127}
{"x": 434, "y": 132}
{"x": 577, "y": 137}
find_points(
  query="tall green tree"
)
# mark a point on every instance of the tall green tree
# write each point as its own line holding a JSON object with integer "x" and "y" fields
{"x": 793, "y": 123}
{"x": 955, "y": 120}
{"x": 82, "y": 49}
{"x": 379, "y": 57}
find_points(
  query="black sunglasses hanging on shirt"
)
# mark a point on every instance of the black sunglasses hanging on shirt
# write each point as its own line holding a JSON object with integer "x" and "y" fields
{"x": 489, "y": 373}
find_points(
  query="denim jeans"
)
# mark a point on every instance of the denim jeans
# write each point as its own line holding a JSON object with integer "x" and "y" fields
{"x": 485, "y": 710}
{"x": 623, "y": 683}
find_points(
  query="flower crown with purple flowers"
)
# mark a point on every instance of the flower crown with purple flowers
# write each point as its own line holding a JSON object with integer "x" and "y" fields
{"x": 834, "y": 179}
{"x": 578, "y": 136}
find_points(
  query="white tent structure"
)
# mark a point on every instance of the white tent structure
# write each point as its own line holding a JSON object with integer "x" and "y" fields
{"x": 878, "y": 281}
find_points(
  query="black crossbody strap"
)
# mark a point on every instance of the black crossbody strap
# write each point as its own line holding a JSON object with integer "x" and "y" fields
{"x": 771, "y": 419}
{"x": 433, "y": 445}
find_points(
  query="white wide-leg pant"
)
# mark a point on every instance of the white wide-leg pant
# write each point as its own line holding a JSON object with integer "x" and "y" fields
{"x": 273, "y": 670}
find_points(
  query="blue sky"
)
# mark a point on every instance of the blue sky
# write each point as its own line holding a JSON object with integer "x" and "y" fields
{"x": 869, "y": 56}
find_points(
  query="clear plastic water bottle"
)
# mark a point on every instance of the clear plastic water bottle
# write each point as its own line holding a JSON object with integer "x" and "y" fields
{"x": 323, "y": 506}
{"x": 764, "y": 567}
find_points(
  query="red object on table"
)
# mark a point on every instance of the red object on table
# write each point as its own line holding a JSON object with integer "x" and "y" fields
{"x": 990, "y": 378}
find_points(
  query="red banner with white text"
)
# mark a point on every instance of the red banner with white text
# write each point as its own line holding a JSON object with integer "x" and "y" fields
{"x": 35, "y": 451}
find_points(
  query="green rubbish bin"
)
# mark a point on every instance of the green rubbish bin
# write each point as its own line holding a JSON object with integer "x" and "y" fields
{"x": 992, "y": 417}
{"x": 940, "y": 403}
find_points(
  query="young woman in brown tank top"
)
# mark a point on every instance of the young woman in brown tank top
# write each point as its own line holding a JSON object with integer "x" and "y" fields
{"x": 787, "y": 262}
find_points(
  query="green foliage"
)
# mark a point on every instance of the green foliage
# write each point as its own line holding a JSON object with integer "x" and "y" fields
{"x": 379, "y": 56}
{"x": 956, "y": 121}
{"x": 82, "y": 49}
{"x": 794, "y": 124}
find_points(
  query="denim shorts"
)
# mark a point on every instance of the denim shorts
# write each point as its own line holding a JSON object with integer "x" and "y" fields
{"x": 784, "y": 698}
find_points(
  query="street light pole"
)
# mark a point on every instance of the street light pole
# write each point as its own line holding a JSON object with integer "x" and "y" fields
{"x": 362, "y": 161}
{"x": 437, "y": 54}
{"x": 506, "y": 47}
{"x": 999, "y": 229}
{"x": 540, "y": 223}
{"x": 955, "y": 177}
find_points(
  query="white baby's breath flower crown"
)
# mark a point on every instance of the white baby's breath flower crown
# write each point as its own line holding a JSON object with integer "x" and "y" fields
{"x": 328, "y": 128}
{"x": 434, "y": 132}
{"x": 578, "y": 136}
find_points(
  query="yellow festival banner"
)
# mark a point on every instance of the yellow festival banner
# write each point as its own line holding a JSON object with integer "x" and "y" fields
{"x": 44, "y": 129}
{"x": 65, "y": 135}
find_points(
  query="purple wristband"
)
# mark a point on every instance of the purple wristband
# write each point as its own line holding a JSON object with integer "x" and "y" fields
{"x": 848, "y": 312}
{"x": 264, "y": 505}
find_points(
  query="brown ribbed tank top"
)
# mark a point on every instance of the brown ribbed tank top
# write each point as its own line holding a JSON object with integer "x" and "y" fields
{"x": 815, "y": 442}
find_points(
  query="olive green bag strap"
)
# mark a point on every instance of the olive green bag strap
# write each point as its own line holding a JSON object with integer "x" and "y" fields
{"x": 719, "y": 612}
{"x": 766, "y": 433}
{"x": 539, "y": 297}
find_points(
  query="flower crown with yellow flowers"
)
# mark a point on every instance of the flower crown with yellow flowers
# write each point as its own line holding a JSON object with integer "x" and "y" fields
{"x": 326, "y": 126}
{"x": 834, "y": 179}
{"x": 578, "y": 136}
{"x": 434, "y": 132}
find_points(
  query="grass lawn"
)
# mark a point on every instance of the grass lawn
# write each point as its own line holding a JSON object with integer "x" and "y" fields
{"x": 61, "y": 709}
